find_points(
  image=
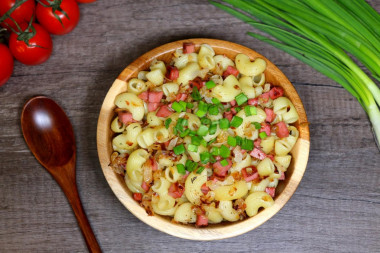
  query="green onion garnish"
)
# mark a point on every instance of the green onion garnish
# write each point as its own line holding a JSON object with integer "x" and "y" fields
{"x": 257, "y": 125}
{"x": 237, "y": 109}
{"x": 210, "y": 84}
{"x": 184, "y": 133}
{"x": 250, "y": 110}
{"x": 210, "y": 142}
{"x": 215, "y": 101}
{"x": 200, "y": 169}
{"x": 236, "y": 121}
{"x": 205, "y": 157}
{"x": 205, "y": 121}
{"x": 239, "y": 140}
{"x": 231, "y": 141}
{"x": 192, "y": 148}
{"x": 167, "y": 122}
{"x": 192, "y": 133}
{"x": 202, "y": 130}
{"x": 224, "y": 162}
{"x": 183, "y": 104}
{"x": 195, "y": 94}
{"x": 213, "y": 110}
{"x": 204, "y": 143}
{"x": 196, "y": 140}
{"x": 189, "y": 105}
{"x": 190, "y": 165}
{"x": 263, "y": 135}
{"x": 247, "y": 144}
{"x": 181, "y": 169}
{"x": 224, "y": 151}
{"x": 241, "y": 99}
{"x": 224, "y": 123}
{"x": 202, "y": 109}
{"x": 215, "y": 151}
{"x": 180, "y": 149}
{"x": 178, "y": 107}
{"x": 213, "y": 129}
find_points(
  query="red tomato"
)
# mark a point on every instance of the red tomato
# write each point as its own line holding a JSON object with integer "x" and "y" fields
{"x": 46, "y": 17}
{"x": 85, "y": 1}
{"x": 39, "y": 48}
{"x": 21, "y": 14}
{"x": 6, "y": 64}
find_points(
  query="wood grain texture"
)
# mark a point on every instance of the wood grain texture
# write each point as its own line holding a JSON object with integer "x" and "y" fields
{"x": 336, "y": 208}
{"x": 285, "y": 189}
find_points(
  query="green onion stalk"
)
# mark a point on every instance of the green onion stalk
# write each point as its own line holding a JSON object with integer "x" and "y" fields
{"x": 320, "y": 33}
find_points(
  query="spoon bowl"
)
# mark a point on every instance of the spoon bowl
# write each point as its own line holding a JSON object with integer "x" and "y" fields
{"x": 49, "y": 134}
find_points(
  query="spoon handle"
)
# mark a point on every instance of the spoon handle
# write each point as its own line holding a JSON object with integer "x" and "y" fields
{"x": 70, "y": 189}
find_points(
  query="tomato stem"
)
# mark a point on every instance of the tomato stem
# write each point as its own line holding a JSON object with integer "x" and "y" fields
{"x": 9, "y": 12}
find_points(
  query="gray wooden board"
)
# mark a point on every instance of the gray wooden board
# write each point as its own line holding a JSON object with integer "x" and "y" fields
{"x": 335, "y": 209}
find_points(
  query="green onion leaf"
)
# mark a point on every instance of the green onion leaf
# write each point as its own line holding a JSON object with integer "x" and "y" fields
{"x": 202, "y": 130}
{"x": 247, "y": 144}
{"x": 241, "y": 99}
{"x": 196, "y": 140}
{"x": 212, "y": 129}
{"x": 236, "y": 121}
{"x": 224, "y": 123}
{"x": 215, "y": 101}
{"x": 231, "y": 141}
{"x": 205, "y": 121}
{"x": 200, "y": 169}
{"x": 224, "y": 162}
{"x": 181, "y": 169}
{"x": 215, "y": 151}
{"x": 177, "y": 107}
{"x": 263, "y": 135}
{"x": 192, "y": 148}
{"x": 184, "y": 133}
{"x": 257, "y": 125}
{"x": 180, "y": 149}
{"x": 195, "y": 94}
{"x": 210, "y": 84}
{"x": 167, "y": 122}
{"x": 202, "y": 109}
{"x": 189, "y": 105}
{"x": 213, "y": 110}
{"x": 224, "y": 151}
{"x": 205, "y": 157}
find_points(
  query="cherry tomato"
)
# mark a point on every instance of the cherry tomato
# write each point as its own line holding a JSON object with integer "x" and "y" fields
{"x": 21, "y": 14}
{"x": 85, "y": 1}
{"x": 46, "y": 17}
{"x": 39, "y": 48}
{"x": 6, "y": 64}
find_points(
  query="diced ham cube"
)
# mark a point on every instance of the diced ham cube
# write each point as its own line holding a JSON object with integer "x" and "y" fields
{"x": 155, "y": 96}
{"x": 253, "y": 101}
{"x": 197, "y": 82}
{"x": 248, "y": 177}
{"x": 153, "y": 106}
{"x": 265, "y": 128}
{"x": 233, "y": 102}
{"x": 172, "y": 72}
{"x": 230, "y": 71}
{"x": 270, "y": 115}
{"x": 282, "y": 177}
{"x": 137, "y": 196}
{"x": 154, "y": 164}
{"x": 228, "y": 115}
{"x": 257, "y": 142}
{"x": 188, "y": 48}
{"x": 264, "y": 98}
{"x": 276, "y": 92}
{"x": 282, "y": 130}
{"x": 233, "y": 110}
{"x": 220, "y": 170}
{"x": 125, "y": 117}
{"x": 164, "y": 111}
{"x": 258, "y": 153}
{"x": 271, "y": 191}
{"x": 145, "y": 186}
{"x": 271, "y": 157}
{"x": 205, "y": 189}
{"x": 181, "y": 97}
{"x": 144, "y": 96}
{"x": 202, "y": 220}
{"x": 176, "y": 190}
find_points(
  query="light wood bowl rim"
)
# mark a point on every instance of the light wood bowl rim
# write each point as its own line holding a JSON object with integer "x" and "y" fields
{"x": 213, "y": 232}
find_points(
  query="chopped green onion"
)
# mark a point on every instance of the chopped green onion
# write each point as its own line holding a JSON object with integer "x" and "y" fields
{"x": 184, "y": 133}
{"x": 167, "y": 122}
{"x": 250, "y": 110}
{"x": 202, "y": 109}
{"x": 190, "y": 165}
{"x": 210, "y": 142}
{"x": 237, "y": 109}
{"x": 213, "y": 110}
{"x": 202, "y": 130}
{"x": 212, "y": 129}
{"x": 192, "y": 148}
{"x": 236, "y": 121}
{"x": 195, "y": 94}
{"x": 247, "y": 144}
{"x": 241, "y": 99}
{"x": 178, "y": 107}
{"x": 224, "y": 162}
{"x": 204, "y": 143}
{"x": 224, "y": 151}
{"x": 205, "y": 121}
{"x": 239, "y": 140}
{"x": 263, "y": 135}
{"x": 200, "y": 169}
{"x": 210, "y": 84}
{"x": 180, "y": 149}
{"x": 224, "y": 123}
{"x": 231, "y": 141}
{"x": 215, "y": 151}
{"x": 181, "y": 169}
{"x": 183, "y": 104}
{"x": 257, "y": 125}
{"x": 189, "y": 105}
{"x": 196, "y": 140}
{"x": 205, "y": 157}
{"x": 215, "y": 101}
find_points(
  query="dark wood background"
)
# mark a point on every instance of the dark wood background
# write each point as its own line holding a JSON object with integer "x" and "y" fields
{"x": 335, "y": 209}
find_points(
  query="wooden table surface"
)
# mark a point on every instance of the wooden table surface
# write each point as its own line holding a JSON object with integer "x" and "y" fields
{"x": 335, "y": 209}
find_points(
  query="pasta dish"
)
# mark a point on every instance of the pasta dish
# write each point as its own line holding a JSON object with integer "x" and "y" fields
{"x": 203, "y": 138}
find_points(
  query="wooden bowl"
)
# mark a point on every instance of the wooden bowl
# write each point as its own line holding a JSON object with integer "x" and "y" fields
{"x": 226, "y": 229}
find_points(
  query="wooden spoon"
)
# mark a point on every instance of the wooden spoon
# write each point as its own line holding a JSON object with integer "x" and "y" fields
{"x": 50, "y": 137}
